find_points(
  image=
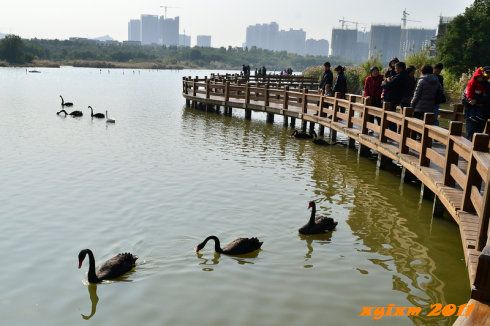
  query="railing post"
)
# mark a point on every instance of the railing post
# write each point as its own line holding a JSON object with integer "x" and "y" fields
{"x": 266, "y": 95}
{"x": 426, "y": 142}
{"x": 384, "y": 123}
{"x": 455, "y": 129}
{"x": 480, "y": 289}
{"x": 247, "y": 94}
{"x": 227, "y": 92}
{"x": 407, "y": 113}
{"x": 208, "y": 88}
{"x": 305, "y": 104}
{"x": 480, "y": 144}
{"x": 194, "y": 86}
{"x": 286, "y": 98}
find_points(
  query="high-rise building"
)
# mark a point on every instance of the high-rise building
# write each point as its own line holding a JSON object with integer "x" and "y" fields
{"x": 344, "y": 44}
{"x": 184, "y": 40}
{"x": 414, "y": 40}
{"x": 149, "y": 29}
{"x": 317, "y": 47}
{"x": 385, "y": 41}
{"x": 263, "y": 36}
{"x": 134, "y": 30}
{"x": 203, "y": 41}
{"x": 292, "y": 41}
{"x": 169, "y": 31}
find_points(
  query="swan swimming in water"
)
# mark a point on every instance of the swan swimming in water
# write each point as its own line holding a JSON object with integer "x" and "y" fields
{"x": 107, "y": 118}
{"x": 239, "y": 246}
{"x": 97, "y": 115}
{"x": 63, "y": 103}
{"x": 113, "y": 268}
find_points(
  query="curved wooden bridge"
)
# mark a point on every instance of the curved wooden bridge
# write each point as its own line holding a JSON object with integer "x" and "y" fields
{"x": 453, "y": 171}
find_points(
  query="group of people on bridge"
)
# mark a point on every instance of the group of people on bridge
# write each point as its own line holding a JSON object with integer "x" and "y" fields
{"x": 398, "y": 86}
{"x": 262, "y": 71}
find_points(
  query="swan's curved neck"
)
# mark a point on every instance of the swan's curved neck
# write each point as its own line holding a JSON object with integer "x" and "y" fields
{"x": 62, "y": 100}
{"x": 92, "y": 277}
{"x": 217, "y": 246}
{"x": 313, "y": 212}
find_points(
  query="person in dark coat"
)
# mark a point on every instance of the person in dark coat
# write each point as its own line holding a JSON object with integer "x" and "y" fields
{"x": 410, "y": 90}
{"x": 340, "y": 82}
{"x": 396, "y": 86}
{"x": 326, "y": 81}
{"x": 424, "y": 99}
{"x": 373, "y": 88}
{"x": 391, "y": 71}
{"x": 437, "y": 71}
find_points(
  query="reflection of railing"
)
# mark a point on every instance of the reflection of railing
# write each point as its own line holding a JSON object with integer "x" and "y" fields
{"x": 455, "y": 170}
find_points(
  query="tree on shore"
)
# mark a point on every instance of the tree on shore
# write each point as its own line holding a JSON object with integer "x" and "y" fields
{"x": 12, "y": 49}
{"x": 466, "y": 43}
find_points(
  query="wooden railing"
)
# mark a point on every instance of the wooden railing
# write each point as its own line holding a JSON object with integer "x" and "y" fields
{"x": 454, "y": 169}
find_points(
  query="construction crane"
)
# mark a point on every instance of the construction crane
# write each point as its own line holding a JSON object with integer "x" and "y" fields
{"x": 405, "y": 19}
{"x": 343, "y": 21}
{"x": 167, "y": 7}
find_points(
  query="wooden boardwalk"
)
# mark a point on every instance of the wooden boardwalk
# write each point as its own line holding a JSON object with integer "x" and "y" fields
{"x": 454, "y": 171}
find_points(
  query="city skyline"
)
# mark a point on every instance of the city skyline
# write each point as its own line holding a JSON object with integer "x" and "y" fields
{"x": 316, "y": 18}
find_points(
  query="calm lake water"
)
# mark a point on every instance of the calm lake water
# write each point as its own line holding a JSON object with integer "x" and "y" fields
{"x": 163, "y": 178}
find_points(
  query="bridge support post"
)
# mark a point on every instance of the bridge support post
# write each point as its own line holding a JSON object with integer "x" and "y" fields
{"x": 426, "y": 192}
{"x": 187, "y": 102}
{"x": 285, "y": 123}
{"x": 383, "y": 162}
{"x": 293, "y": 122}
{"x": 321, "y": 131}
{"x": 270, "y": 117}
{"x": 438, "y": 208}
{"x": 480, "y": 289}
{"x": 312, "y": 127}
{"x": 407, "y": 176}
{"x": 364, "y": 151}
{"x": 248, "y": 114}
{"x": 352, "y": 143}
{"x": 304, "y": 124}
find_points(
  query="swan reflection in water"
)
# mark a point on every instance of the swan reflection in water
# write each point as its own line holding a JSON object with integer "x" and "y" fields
{"x": 92, "y": 292}
{"x": 240, "y": 259}
{"x": 320, "y": 238}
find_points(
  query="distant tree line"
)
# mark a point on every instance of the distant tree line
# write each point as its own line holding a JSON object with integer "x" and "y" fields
{"x": 213, "y": 58}
{"x": 466, "y": 43}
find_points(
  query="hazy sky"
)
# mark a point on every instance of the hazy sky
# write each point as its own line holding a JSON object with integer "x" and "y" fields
{"x": 225, "y": 20}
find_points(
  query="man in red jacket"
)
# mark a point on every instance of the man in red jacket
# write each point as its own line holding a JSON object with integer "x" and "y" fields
{"x": 372, "y": 87}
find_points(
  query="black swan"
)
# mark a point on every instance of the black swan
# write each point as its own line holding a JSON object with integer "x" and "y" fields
{"x": 239, "y": 246}
{"x": 63, "y": 103}
{"x": 319, "y": 224}
{"x": 320, "y": 141}
{"x": 109, "y": 120}
{"x": 73, "y": 114}
{"x": 97, "y": 115}
{"x": 113, "y": 268}
{"x": 301, "y": 135}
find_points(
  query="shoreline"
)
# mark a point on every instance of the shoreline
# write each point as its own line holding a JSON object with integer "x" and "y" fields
{"x": 100, "y": 65}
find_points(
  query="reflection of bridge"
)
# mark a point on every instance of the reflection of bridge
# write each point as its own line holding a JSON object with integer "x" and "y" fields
{"x": 452, "y": 170}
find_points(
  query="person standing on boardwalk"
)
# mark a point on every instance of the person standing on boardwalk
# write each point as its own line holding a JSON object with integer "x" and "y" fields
{"x": 437, "y": 71}
{"x": 373, "y": 88}
{"x": 389, "y": 73}
{"x": 395, "y": 87}
{"x": 474, "y": 101}
{"x": 326, "y": 81}
{"x": 340, "y": 82}
{"x": 425, "y": 97}
{"x": 410, "y": 90}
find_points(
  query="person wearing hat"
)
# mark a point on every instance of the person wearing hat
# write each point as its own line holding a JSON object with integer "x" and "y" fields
{"x": 340, "y": 82}
{"x": 326, "y": 81}
{"x": 372, "y": 87}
